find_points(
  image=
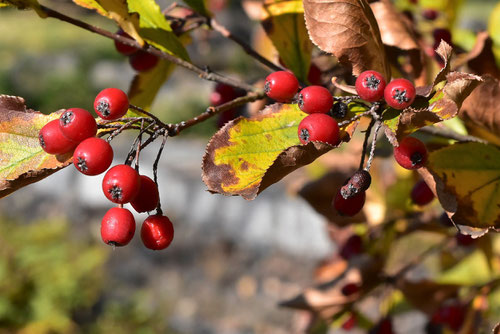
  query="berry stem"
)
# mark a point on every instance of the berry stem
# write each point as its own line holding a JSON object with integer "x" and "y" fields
{"x": 378, "y": 124}
{"x": 449, "y": 134}
{"x": 150, "y": 115}
{"x": 155, "y": 170}
{"x": 365, "y": 142}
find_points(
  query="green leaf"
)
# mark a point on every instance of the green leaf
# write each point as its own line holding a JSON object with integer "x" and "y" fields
{"x": 284, "y": 24}
{"x": 25, "y": 4}
{"x": 248, "y": 155}
{"x": 22, "y": 160}
{"x": 155, "y": 28}
{"x": 472, "y": 270}
{"x": 468, "y": 183}
{"x": 199, "y": 6}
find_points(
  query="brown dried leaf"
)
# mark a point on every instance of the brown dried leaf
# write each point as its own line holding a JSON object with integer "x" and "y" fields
{"x": 427, "y": 296}
{"x": 496, "y": 330}
{"x": 347, "y": 29}
{"x": 481, "y": 58}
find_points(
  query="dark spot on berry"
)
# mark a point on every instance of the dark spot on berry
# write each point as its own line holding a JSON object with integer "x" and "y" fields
{"x": 42, "y": 141}
{"x": 339, "y": 110}
{"x": 67, "y": 117}
{"x": 114, "y": 244}
{"x": 82, "y": 164}
{"x": 115, "y": 192}
{"x": 400, "y": 96}
{"x": 103, "y": 108}
{"x": 416, "y": 158}
{"x": 304, "y": 135}
{"x": 267, "y": 87}
{"x": 372, "y": 82}
{"x": 300, "y": 101}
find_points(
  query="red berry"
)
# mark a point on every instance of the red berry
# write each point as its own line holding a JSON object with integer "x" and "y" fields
{"x": 142, "y": 61}
{"x": 370, "y": 86}
{"x": 349, "y": 289}
{"x": 121, "y": 184}
{"x": 223, "y": 93}
{"x": 452, "y": 315}
{"x": 349, "y": 206}
{"x": 352, "y": 247}
{"x": 52, "y": 139}
{"x": 111, "y": 103}
{"x": 411, "y": 153}
{"x": 441, "y": 34}
{"x": 148, "y": 196}
{"x": 117, "y": 227}
{"x": 399, "y": 93}
{"x": 421, "y": 194}
{"x": 315, "y": 99}
{"x": 77, "y": 124}
{"x": 123, "y": 48}
{"x": 314, "y": 75}
{"x": 281, "y": 86}
{"x": 318, "y": 127}
{"x": 383, "y": 327}
{"x": 464, "y": 240}
{"x": 430, "y": 14}
{"x": 157, "y": 232}
{"x": 93, "y": 156}
{"x": 350, "y": 322}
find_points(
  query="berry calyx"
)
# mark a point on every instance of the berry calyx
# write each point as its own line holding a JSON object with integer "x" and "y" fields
{"x": 421, "y": 194}
{"x": 399, "y": 93}
{"x": 123, "y": 48}
{"x": 352, "y": 247}
{"x": 111, "y": 103}
{"x": 370, "y": 86}
{"x": 315, "y": 99}
{"x": 157, "y": 232}
{"x": 93, "y": 156}
{"x": 281, "y": 86}
{"x": 77, "y": 124}
{"x": 411, "y": 153}
{"x": 339, "y": 110}
{"x": 349, "y": 206}
{"x": 121, "y": 184}
{"x": 117, "y": 227}
{"x": 142, "y": 61}
{"x": 318, "y": 127}
{"x": 148, "y": 197}
{"x": 52, "y": 140}
{"x": 358, "y": 182}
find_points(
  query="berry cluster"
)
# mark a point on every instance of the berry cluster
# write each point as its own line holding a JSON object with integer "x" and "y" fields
{"x": 121, "y": 184}
{"x": 140, "y": 60}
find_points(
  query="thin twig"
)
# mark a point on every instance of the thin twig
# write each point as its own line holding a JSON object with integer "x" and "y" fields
{"x": 355, "y": 118}
{"x": 138, "y": 150}
{"x": 449, "y": 134}
{"x": 147, "y": 113}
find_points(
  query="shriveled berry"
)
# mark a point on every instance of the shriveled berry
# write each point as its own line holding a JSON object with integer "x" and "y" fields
{"x": 358, "y": 182}
{"x": 148, "y": 197}
{"x": 111, "y": 103}
{"x": 121, "y": 184}
{"x": 421, "y": 194}
{"x": 370, "y": 86}
{"x": 315, "y": 99}
{"x": 352, "y": 247}
{"x": 157, "y": 232}
{"x": 318, "y": 127}
{"x": 411, "y": 153}
{"x": 77, "y": 124}
{"x": 93, "y": 156}
{"x": 124, "y": 49}
{"x": 349, "y": 206}
{"x": 117, "y": 227}
{"x": 142, "y": 61}
{"x": 339, "y": 110}
{"x": 281, "y": 86}
{"x": 399, "y": 93}
{"x": 52, "y": 139}
{"x": 350, "y": 289}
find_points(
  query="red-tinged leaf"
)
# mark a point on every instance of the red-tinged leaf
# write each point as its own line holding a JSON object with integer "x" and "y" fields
{"x": 347, "y": 29}
{"x": 248, "y": 155}
{"x": 22, "y": 160}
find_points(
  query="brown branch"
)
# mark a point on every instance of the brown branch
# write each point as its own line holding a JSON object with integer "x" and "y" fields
{"x": 449, "y": 134}
{"x": 202, "y": 73}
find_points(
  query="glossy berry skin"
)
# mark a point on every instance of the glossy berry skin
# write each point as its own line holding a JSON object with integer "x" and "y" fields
{"x": 370, "y": 86}
{"x": 349, "y": 206}
{"x": 421, "y": 194}
{"x": 142, "y": 61}
{"x": 121, "y": 184}
{"x": 93, "y": 156}
{"x": 318, "y": 127}
{"x": 77, "y": 124}
{"x": 148, "y": 197}
{"x": 123, "y": 48}
{"x": 117, "y": 227}
{"x": 111, "y": 103}
{"x": 399, "y": 93}
{"x": 411, "y": 153}
{"x": 52, "y": 140}
{"x": 281, "y": 86}
{"x": 349, "y": 289}
{"x": 352, "y": 247}
{"x": 315, "y": 99}
{"x": 157, "y": 232}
